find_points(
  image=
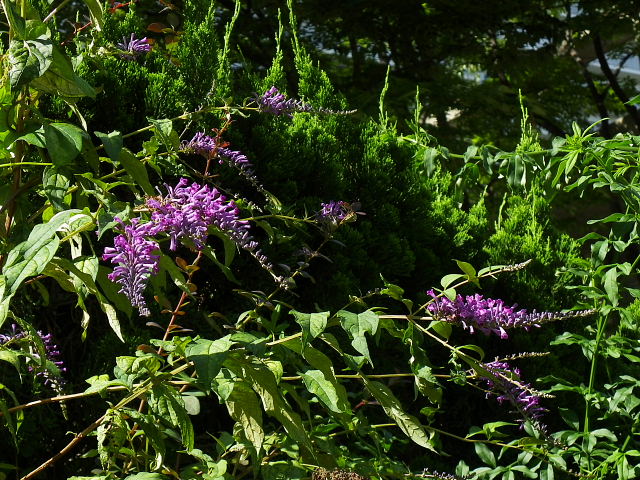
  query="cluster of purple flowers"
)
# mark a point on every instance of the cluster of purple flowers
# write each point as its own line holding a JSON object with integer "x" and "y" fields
{"x": 491, "y": 316}
{"x": 187, "y": 211}
{"x": 208, "y": 147}
{"x": 135, "y": 46}
{"x": 276, "y": 103}
{"x": 51, "y": 377}
{"x": 133, "y": 253}
{"x": 506, "y": 385}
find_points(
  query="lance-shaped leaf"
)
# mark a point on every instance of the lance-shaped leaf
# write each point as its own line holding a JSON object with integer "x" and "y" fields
{"x": 32, "y": 256}
{"x": 409, "y": 424}
{"x": 244, "y": 408}
{"x": 313, "y": 324}
{"x": 263, "y": 382}
{"x": 356, "y": 325}
{"x": 136, "y": 170}
{"x": 169, "y": 405}
{"x": 60, "y": 79}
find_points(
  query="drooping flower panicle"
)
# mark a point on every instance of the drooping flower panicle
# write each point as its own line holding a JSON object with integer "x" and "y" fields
{"x": 135, "y": 46}
{"x": 276, "y": 103}
{"x": 189, "y": 210}
{"x": 474, "y": 312}
{"x": 504, "y": 382}
{"x": 136, "y": 262}
{"x": 185, "y": 212}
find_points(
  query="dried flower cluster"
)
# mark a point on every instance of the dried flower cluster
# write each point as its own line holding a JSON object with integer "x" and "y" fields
{"x": 474, "y": 312}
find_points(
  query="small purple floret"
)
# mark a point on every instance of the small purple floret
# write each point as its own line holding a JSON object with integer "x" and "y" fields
{"x": 276, "y": 103}
{"x": 136, "y": 262}
{"x": 489, "y": 315}
{"x": 51, "y": 378}
{"x": 505, "y": 383}
{"x": 135, "y": 46}
{"x": 189, "y": 210}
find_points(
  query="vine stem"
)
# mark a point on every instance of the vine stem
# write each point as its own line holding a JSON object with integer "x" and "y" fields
{"x": 144, "y": 387}
{"x": 75, "y": 396}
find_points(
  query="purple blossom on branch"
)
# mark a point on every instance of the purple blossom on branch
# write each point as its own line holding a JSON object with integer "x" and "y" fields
{"x": 51, "y": 376}
{"x": 491, "y": 316}
{"x": 135, "y": 46}
{"x": 189, "y": 210}
{"x": 333, "y": 211}
{"x": 209, "y": 147}
{"x": 276, "y": 103}
{"x": 136, "y": 262}
{"x": 505, "y": 384}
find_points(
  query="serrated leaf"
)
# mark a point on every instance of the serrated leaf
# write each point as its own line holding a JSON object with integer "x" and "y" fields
{"x": 313, "y": 324}
{"x": 356, "y": 325}
{"x": 409, "y": 424}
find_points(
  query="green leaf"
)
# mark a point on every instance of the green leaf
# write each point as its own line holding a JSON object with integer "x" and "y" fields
{"x": 164, "y": 131}
{"x": 409, "y": 424}
{"x": 169, "y": 405}
{"x": 611, "y": 285}
{"x": 149, "y": 425}
{"x": 30, "y": 58}
{"x": 146, "y": 476}
{"x": 356, "y": 325}
{"x": 136, "y": 169}
{"x": 244, "y": 408}
{"x": 485, "y": 454}
{"x": 95, "y": 9}
{"x": 64, "y": 142}
{"x": 17, "y": 24}
{"x": 208, "y": 357}
{"x": 324, "y": 389}
{"x": 264, "y": 384}
{"x": 6, "y": 416}
{"x": 313, "y": 324}
{"x": 60, "y": 79}
{"x": 447, "y": 280}
{"x": 112, "y": 143}
{"x": 56, "y": 182}
{"x": 10, "y": 356}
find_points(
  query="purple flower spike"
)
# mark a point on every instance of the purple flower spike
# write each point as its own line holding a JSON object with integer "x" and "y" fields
{"x": 51, "y": 377}
{"x": 276, "y": 103}
{"x": 188, "y": 211}
{"x": 506, "y": 385}
{"x": 133, "y": 253}
{"x": 491, "y": 316}
{"x": 135, "y": 46}
{"x": 201, "y": 144}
